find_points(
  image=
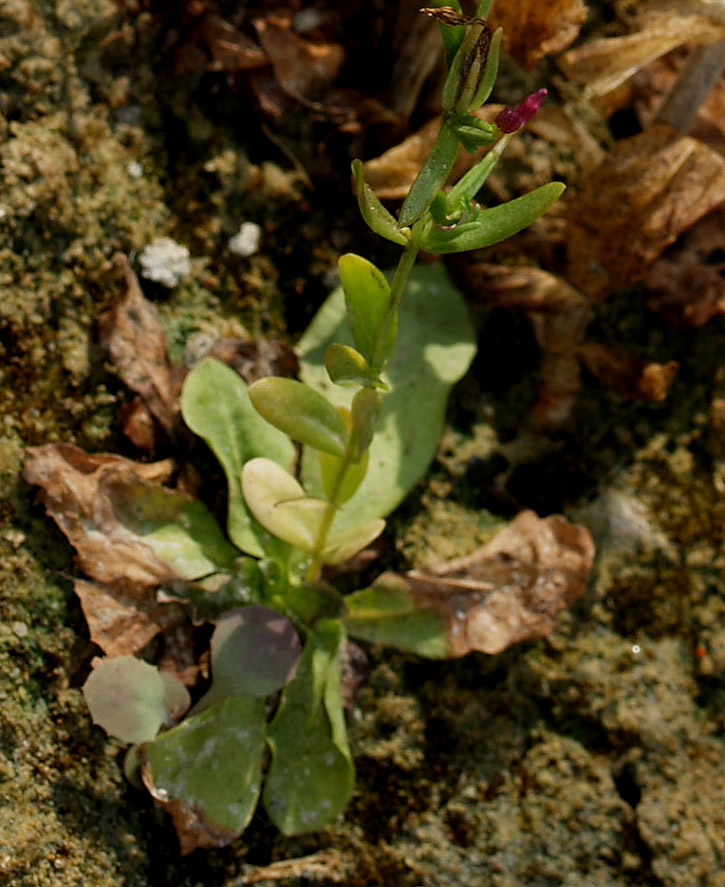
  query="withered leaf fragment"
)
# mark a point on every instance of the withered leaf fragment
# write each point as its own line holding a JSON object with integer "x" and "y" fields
{"x": 628, "y": 374}
{"x": 510, "y": 590}
{"x": 75, "y": 488}
{"x": 533, "y": 30}
{"x": 646, "y": 192}
{"x": 134, "y": 338}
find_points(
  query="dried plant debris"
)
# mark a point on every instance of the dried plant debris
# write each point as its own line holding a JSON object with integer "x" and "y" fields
{"x": 687, "y": 283}
{"x": 607, "y": 63}
{"x": 510, "y": 590}
{"x": 533, "y": 30}
{"x": 132, "y": 334}
{"x": 628, "y": 374}
{"x": 648, "y": 190}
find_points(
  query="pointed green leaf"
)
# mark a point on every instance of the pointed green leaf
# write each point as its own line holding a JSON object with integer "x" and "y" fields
{"x": 495, "y": 224}
{"x": 179, "y": 529}
{"x": 346, "y": 366}
{"x": 367, "y": 296}
{"x": 387, "y": 613}
{"x": 432, "y": 176}
{"x": 211, "y": 764}
{"x": 436, "y": 343}
{"x": 311, "y": 774}
{"x": 377, "y": 218}
{"x": 216, "y": 406}
{"x": 280, "y": 504}
{"x": 301, "y": 412}
{"x": 128, "y": 698}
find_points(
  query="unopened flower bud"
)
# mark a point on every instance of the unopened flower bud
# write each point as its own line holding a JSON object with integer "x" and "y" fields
{"x": 512, "y": 119}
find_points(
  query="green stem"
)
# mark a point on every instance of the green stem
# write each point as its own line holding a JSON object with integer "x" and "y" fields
{"x": 397, "y": 288}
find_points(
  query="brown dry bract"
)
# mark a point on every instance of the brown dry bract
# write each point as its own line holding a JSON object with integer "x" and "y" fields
{"x": 511, "y": 589}
{"x": 533, "y": 29}
{"x": 134, "y": 338}
{"x": 649, "y": 189}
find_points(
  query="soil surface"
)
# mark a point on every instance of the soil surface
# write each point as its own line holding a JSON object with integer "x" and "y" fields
{"x": 595, "y": 757}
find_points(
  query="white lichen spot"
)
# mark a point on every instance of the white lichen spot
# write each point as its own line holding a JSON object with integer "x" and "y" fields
{"x": 165, "y": 261}
{"x": 246, "y": 241}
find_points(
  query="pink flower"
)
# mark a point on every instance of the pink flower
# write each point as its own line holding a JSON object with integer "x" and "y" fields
{"x": 512, "y": 119}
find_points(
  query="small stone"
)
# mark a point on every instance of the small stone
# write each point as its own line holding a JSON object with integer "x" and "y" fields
{"x": 20, "y": 629}
{"x": 134, "y": 169}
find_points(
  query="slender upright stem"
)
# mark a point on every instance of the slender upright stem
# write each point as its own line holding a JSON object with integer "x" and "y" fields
{"x": 397, "y": 288}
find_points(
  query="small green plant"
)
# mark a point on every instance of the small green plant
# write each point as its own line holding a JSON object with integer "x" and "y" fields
{"x": 376, "y": 367}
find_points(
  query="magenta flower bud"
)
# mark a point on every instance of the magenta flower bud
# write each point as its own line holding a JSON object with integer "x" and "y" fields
{"x": 512, "y": 119}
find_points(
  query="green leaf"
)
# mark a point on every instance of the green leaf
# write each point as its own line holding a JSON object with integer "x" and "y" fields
{"x": 432, "y": 176}
{"x": 377, "y": 218}
{"x": 301, "y": 412}
{"x": 343, "y": 545}
{"x": 436, "y": 343}
{"x": 311, "y": 774}
{"x": 131, "y": 700}
{"x": 346, "y": 366}
{"x": 387, "y": 613}
{"x": 493, "y": 225}
{"x": 365, "y": 412}
{"x": 281, "y": 505}
{"x": 216, "y": 406}
{"x": 329, "y": 470}
{"x": 254, "y": 652}
{"x": 210, "y": 766}
{"x": 212, "y": 597}
{"x": 177, "y": 528}
{"x": 367, "y": 296}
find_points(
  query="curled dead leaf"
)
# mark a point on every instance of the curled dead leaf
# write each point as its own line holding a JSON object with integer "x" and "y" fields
{"x": 301, "y": 67}
{"x": 132, "y": 334}
{"x": 124, "y": 616}
{"x": 510, "y": 590}
{"x": 647, "y": 191}
{"x": 76, "y": 489}
{"x": 628, "y": 374}
{"x": 533, "y": 30}
{"x": 605, "y": 64}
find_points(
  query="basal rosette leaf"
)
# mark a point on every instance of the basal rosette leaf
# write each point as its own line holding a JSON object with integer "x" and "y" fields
{"x": 215, "y": 405}
{"x": 311, "y": 774}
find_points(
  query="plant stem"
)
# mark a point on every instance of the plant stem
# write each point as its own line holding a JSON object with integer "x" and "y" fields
{"x": 397, "y": 288}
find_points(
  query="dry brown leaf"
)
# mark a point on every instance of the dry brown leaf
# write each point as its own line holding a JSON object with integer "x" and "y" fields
{"x": 302, "y": 68}
{"x": 134, "y": 338}
{"x": 628, "y": 374}
{"x": 77, "y": 490}
{"x": 687, "y": 283}
{"x": 511, "y": 589}
{"x": 605, "y": 64}
{"x": 124, "y": 616}
{"x": 533, "y": 29}
{"x": 647, "y": 191}
{"x": 193, "y": 829}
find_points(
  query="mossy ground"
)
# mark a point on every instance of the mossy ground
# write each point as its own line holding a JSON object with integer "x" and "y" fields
{"x": 595, "y": 757}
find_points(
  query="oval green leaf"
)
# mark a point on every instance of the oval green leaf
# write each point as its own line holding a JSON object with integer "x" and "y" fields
{"x": 127, "y": 697}
{"x": 377, "y": 218}
{"x": 367, "y": 296}
{"x": 346, "y": 366}
{"x": 300, "y": 412}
